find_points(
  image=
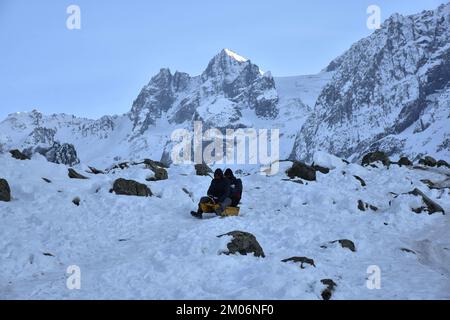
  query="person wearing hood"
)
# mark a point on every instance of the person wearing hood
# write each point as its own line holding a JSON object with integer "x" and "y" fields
{"x": 219, "y": 192}
{"x": 235, "y": 187}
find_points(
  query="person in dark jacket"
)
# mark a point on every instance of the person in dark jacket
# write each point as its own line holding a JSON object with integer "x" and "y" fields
{"x": 235, "y": 186}
{"x": 218, "y": 192}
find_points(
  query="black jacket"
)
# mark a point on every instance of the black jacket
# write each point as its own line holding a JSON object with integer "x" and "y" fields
{"x": 219, "y": 189}
{"x": 236, "y": 187}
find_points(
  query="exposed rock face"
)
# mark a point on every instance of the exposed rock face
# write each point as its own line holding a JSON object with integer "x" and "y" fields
{"x": 404, "y": 161}
{"x": 345, "y": 243}
{"x": 158, "y": 170}
{"x": 301, "y": 170}
{"x": 443, "y": 163}
{"x": 75, "y": 175}
{"x": 430, "y": 206}
{"x": 363, "y": 206}
{"x": 62, "y": 154}
{"x": 131, "y": 188}
{"x": 229, "y": 85}
{"x": 363, "y": 183}
{"x": 5, "y": 191}
{"x": 327, "y": 293}
{"x": 428, "y": 161}
{"x": 376, "y": 156}
{"x": 301, "y": 260}
{"x": 202, "y": 169}
{"x": 244, "y": 243}
{"x": 16, "y": 154}
{"x": 395, "y": 79}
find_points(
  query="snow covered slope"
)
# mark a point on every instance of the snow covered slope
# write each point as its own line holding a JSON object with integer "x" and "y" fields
{"x": 389, "y": 91}
{"x": 151, "y": 248}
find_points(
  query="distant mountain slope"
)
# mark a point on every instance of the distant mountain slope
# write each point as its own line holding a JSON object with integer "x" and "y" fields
{"x": 389, "y": 91}
{"x": 232, "y": 92}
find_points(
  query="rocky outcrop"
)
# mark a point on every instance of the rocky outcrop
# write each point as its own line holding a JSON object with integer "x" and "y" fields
{"x": 373, "y": 157}
{"x": 404, "y": 161}
{"x": 5, "y": 191}
{"x": 202, "y": 169}
{"x": 75, "y": 175}
{"x": 345, "y": 243}
{"x": 327, "y": 293}
{"x": 364, "y": 206}
{"x": 130, "y": 188}
{"x": 243, "y": 243}
{"x": 430, "y": 205}
{"x": 428, "y": 161}
{"x": 62, "y": 154}
{"x": 160, "y": 173}
{"x": 301, "y": 170}
{"x": 16, "y": 154}
{"x": 395, "y": 79}
{"x": 301, "y": 261}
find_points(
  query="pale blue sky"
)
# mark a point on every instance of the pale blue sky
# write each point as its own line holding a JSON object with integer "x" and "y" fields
{"x": 101, "y": 68}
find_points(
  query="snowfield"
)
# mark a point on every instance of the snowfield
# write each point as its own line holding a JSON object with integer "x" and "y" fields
{"x": 151, "y": 248}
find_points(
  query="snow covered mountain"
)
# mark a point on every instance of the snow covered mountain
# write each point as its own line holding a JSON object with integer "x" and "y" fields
{"x": 232, "y": 92}
{"x": 390, "y": 91}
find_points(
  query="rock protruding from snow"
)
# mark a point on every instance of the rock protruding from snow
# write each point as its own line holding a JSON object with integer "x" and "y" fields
{"x": 16, "y": 154}
{"x": 327, "y": 293}
{"x": 345, "y": 243}
{"x": 428, "y": 161}
{"x": 301, "y": 170}
{"x": 131, "y": 188}
{"x": 431, "y": 206}
{"x": 243, "y": 243}
{"x": 301, "y": 261}
{"x": 75, "y": 175}
{"x": 377, "y": 156}
{"x": 62, "y": 154}
{"x": 202, "y": 169}
{"x": 404, "y": 161}
{"x": 160, "y": 173}
{"x": 5, "y": 191}
{"x": 363, "y": 206}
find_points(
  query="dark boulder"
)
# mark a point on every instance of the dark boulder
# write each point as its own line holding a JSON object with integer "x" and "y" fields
{"x": 95, "y": 171}
{"x": 363, "y": 206}
{"x": 348, "y": 244}
{"x": 404, "y": 161}
{"x": 301, "y": 170}
{"x": 376, "y": 156}
{"x": 443, "y": 163}
{"x": 76, "y": 201}
{"x": 327, "y": 293}
{"x": 363, "y": 183}
{"x": 62, "y": 154}
{"x": 243, "y": 243}
{"x": 428, "y": 161}
{"x": 301, "y": 260}
{"x": 158, "y": 169}
{"x": 131, "y": 188}
{"x": 202, "y": 169}
{"x": 16, "y": 154}
{"x": 321, "y": 169}
{"x": 75, "y": 175}
{"x": 5, "y": 191}
{"x": 430, "y": 206}
{"x": 152, "y": 163}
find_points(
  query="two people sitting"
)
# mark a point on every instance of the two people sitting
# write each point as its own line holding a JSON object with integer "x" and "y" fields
{"x": 225, "y": 190}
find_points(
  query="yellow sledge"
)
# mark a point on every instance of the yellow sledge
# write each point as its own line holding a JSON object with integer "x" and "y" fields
{"x": 211, "y": 208}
